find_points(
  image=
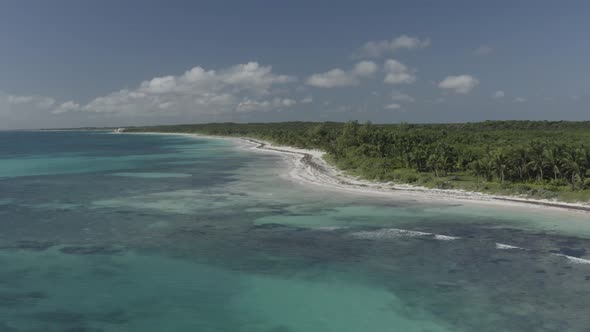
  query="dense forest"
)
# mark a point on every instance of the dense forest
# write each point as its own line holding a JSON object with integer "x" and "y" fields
{"x": 536, "y": 158}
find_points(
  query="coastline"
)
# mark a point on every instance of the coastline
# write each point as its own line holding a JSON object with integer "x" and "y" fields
{"x": 308, "y": 167}
{"x": 311, "y": 168}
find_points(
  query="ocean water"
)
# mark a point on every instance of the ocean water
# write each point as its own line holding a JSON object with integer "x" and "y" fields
{"x": 105, "y": 232}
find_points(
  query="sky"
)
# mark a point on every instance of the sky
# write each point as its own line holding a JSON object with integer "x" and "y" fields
{"x": 128, "y": 62}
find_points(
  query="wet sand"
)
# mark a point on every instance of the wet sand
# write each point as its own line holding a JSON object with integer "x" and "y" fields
{"x": 310, "y": 167}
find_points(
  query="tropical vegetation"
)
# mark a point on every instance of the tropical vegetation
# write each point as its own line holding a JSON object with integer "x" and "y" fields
{"x": 535, "y": 158}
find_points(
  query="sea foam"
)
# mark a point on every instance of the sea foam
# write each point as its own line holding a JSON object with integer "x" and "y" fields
{"x": 502, "y": 246}
{"x": 392, "y": 233}
{"x": 573, "y": 259}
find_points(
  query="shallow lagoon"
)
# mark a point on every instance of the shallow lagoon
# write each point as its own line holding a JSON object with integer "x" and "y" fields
{"x": 99, "y": 232}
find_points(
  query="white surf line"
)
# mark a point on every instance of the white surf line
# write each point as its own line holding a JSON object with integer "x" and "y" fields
{"x": 332, "y": 177}
{"x": 573, "y": 259}
{"x": 502, "y": 246}
{"x": 311, "y": 168}
{"x": 445, "y": 237}
{"x": 329, "y": 176}
{"x": 390, "y": 233}
{"x": 331, "y": 228}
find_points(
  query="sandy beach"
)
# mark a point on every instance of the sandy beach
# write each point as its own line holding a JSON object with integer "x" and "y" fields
{"x": 308, "y": 167}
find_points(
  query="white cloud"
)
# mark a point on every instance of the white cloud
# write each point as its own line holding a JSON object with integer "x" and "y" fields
{"x": 382, "y": 47}
{"x": 520, "y": 100}
{"x": 45, "y": 102}
{"x": 483, "y": 50}
{"x": 307, "y": 100}
{"x": 158, "y": 85}
{"x": 248, "y": 77}
{"x": 398, "y": 73}
{"x": 332, "y": 79}
{"x": 249, "y": 105}
{"x": 499, "y": 94}
{"x": 27, "y": 101}
{"x": 339, "y": 78}
{"x": 68, "y": 106}
{"x": 24, "y": 111}
{"x": 11, "y": 99}
{"x": 286, "y": 102}
{"x": 364, "y": 68}
{"x": 401, "y": 97}
{"x": 393, "y": 106}
{"x": 240, "y": 88}
{"x": 252, "y": 76}
{"x": 459, "y": 84}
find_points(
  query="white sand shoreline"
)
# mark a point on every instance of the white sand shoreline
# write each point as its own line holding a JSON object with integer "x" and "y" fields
{"x": 309, "y": 168}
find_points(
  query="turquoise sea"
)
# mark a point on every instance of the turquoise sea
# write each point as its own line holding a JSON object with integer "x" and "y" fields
{"x": 140, "y": 233}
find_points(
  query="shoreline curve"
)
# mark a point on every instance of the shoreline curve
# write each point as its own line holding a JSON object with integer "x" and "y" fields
{"x": 309, "y": 167}
{"x": 319, "y": 172}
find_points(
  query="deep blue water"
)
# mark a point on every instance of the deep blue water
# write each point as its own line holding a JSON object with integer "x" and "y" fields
{"x": 105, "y": 232}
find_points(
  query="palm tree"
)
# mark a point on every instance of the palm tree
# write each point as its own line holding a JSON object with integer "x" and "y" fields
{"x": 522, "y": 162}
{"x": 536, "y": 163}
{"x": 419, "y": 158}
{"x": 573, "y": 170}
{"x": 482, "y": 168}
{"x": 478, "y": 169}
{"x": 433, "y": 163}
{"x": 552, "y": 159}
{"x": 572, "y": 166}
{"x": 500, "y": 164}
{"x": 583, "y": 160}
{"x": 445, "y": 164}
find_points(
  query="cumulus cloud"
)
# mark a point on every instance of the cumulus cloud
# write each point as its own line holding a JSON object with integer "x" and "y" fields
{"x": 332, "y": 79}
{"x": 383, "y": 47}
{"x": 26, "y": 101}
{"x": 159, "y": 85}
{"x": 68, "y": 106}
{"x": 499, "y": 94}
{"x": 459, "y": 84}
{"x": 483, "y": 50}
{"x": 24, "y": 111}
{"x": 248, "y": 77}
{"x": 393, "y": 106}
{"x": 398, "y": 73}
{"x": 307, "y": 100}
{"x": 401, "y": 97}
{"x": 241, "y": 88}
{"x": 520, "y": 100}
{"x": 364, "y": 68}
{"x": 11, "y": 99}
{"x": 249, "y": 105}
{"x": 339, "y": 78}
{"x": 252, "y": 77}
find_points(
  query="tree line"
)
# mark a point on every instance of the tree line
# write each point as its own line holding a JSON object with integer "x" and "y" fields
{"x": 539, "y": 152}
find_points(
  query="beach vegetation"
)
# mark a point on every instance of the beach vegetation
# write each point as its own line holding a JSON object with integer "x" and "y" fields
{"x": 540, "y": 159}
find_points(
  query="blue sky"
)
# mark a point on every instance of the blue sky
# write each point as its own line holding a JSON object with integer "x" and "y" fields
{"x": 117, "y": 63}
